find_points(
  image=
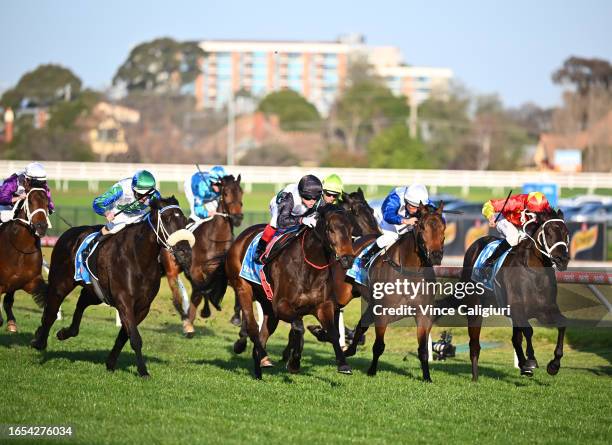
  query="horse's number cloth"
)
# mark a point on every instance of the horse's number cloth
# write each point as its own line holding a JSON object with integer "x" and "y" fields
{"x": 358, "y": 271}
{"x": 81, "y": 272}
{"x": 478, "y": 266}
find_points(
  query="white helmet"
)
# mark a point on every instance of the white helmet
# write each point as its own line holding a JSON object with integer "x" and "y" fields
{"x": 35, "y": 170}
{"x": 415, "y": 194}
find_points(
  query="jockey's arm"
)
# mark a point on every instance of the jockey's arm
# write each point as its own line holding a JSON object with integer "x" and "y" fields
{"x": 7, "y": 190}
{"x": 285, "y": 206}
{"x": 390, "y": 210}
{"x": 106, "y": 201}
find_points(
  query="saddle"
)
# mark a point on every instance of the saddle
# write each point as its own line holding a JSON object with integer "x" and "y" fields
{"x": 282, "y": 238}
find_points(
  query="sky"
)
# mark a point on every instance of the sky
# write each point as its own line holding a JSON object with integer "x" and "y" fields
{"x": 510, "y": 48}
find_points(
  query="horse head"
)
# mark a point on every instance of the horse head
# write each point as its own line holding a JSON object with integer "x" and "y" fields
{"x": 363, "y": 215}
{"x": 34, "y": 208}
{"x": 168, "y": 222}
{"x": 551, "y": 238}
{"x": 231, "y": 199}
{"x": 429, "y": 232}
{"x": 334, "y": 227}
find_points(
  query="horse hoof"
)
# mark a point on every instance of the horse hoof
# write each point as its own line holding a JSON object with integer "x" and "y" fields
{"x": 318, "y": 332}
{"x": 240, "y": 345}
{"x": 372, "y": 372}
{"x": 293, "y": 368}
{"x": 146, "y": 375}
{"x": 266, "y": 362}
{"x": 205, "y": 312}
{"x": 235, "y": 320}
{"x": 39, "y": 344}
{"x": 345, "y": 369}
{"x": 527, "y": 372}
{"x": 63, "y": 334}
{"x": 427, "y": 380}
{"x": 11, "y": 326}
{"x": 531, "y": 364}
{"x": 188, "y": 329}
{"x": 552, "y": 368}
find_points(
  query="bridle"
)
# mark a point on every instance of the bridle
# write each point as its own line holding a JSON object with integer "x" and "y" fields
{"x": 25, "y": 205}
{"x": 540, "y": 242}
{"x": 161, "y": 233}
{"x": 326, "y": 246}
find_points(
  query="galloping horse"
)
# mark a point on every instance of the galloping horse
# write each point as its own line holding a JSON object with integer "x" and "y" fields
{"x": 21, "y": 259}
{"x": 528, "y": 282}
{"x": 212, "y": 241}
{"x": 410, "y": 258}
{"x": 300, "y": 280}
{"x": 128, "y": 271}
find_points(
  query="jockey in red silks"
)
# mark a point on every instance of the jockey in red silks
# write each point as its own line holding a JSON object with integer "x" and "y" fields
{"x": 512, "y": 219}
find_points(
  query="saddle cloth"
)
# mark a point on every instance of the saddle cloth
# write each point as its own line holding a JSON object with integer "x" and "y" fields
{"x": 358, "y": 271}
{"x": 482, "y": 257}
{"x": 81, "y": 268}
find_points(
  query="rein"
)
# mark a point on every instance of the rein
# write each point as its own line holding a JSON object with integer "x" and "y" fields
{"x": 161, "y": 229}
{"x": 540, "y": 242}
{"x": 311, "y": 264}
{"x": 25, "y": 206}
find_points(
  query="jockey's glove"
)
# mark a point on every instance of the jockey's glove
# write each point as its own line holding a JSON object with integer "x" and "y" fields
{"x": 310, "y": 221}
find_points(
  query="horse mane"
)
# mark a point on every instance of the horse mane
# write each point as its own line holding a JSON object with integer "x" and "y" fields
{"x": 327, "y": 208}
{"x": 163, "y": 202}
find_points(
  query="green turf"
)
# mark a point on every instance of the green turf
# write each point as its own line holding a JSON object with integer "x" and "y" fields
{"x": 200, "y": 392}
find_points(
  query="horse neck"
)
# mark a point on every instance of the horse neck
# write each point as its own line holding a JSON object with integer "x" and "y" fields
{"x": 216, "y": 235}
{"x": 20, "y": 233}
{"x": 145, "y": 239}
{"x": 406, "y": 252}
{"x": 314, "y": 249}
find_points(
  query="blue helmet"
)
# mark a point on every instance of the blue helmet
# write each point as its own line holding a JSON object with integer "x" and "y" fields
{"x": 216, "y": 174}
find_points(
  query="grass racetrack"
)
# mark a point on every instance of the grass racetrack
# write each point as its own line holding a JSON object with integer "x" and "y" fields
{"x": 200, "y": 392}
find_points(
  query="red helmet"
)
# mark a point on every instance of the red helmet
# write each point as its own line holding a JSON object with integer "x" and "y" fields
{"x": 537, "y": 202}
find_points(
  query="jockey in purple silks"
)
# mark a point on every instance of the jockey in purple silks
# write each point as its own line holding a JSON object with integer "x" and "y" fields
{"x": 17, "y": 186}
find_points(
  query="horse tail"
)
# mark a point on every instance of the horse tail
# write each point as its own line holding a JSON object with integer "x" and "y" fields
{"x": 39, "y": 294}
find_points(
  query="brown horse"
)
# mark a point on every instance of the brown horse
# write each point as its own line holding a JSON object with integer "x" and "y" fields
{"x": 213, "y": 239}
{"x": 128, "y": 271}
{"x": 410, "y": 259}
{"x": 300, "y": 279}
{"x": 21, "y": 259}
{"x": 528, "y": 282}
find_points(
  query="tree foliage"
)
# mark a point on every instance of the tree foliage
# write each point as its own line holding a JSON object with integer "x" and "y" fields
{"x": 161, "y": 65}
{"x": 293, "y": 110}
{"x": 394, "y": 148}
{"x": 44, "y": 86}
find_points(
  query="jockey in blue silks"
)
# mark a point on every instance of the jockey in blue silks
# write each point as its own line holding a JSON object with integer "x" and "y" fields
{"x": 203, "y": 190}
{"x": 398, "y": 214}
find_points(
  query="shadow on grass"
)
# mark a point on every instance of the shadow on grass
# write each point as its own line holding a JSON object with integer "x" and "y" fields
{"x": 126, "y": 359}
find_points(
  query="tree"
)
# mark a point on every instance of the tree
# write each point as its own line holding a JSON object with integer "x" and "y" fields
{"x": 293, "y": 110}
{"x": 394, "y": 148}
{"x": 44, "y": 86}
{"x": 161, "y": 65}
{"x": 274, "y": 155}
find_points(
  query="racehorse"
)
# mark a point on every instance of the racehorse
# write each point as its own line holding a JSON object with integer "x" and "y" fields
{"x": 528, "y": 283}
{"x": 21, "y": 259}
{"x": 362, "y": 214}
{"x": 411, "y": 258}
{"x": 300, "y": 280}
{"x": 128, "y": 271}
{"x": 212, "y": 241}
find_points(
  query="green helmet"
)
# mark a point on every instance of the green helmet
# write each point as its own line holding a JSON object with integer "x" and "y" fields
{"x": 143, "y": 181}
{"x": 332, "y": 183}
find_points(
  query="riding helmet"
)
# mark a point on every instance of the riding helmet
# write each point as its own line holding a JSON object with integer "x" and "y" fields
{"x": 143, "y": 181}
{"x": 216, "y": 174}
{"x": 416, "y": 194}
{"x": 310, "y": 187}
{"x": 35, "y": 170}
{"x": 333, "y": 184}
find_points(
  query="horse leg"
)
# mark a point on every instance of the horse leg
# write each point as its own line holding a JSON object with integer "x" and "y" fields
{"x": 56, "y": 293}
{"x": 296, "y": 346}
{"x": 270, "y": 322}
{"x": 86, "y": 299}
{"x": 531, "y": 361}
{"x": 326, "y": 316}
{"x": 196, "y": 299}
{"x": 362, "y": 326}
{"x": 130, "y": 324}
{"x": 423, "y": 328}
{"x": 11, "y": 323}
{"x": 235, "y": 320}
{"x": 111, "y": 360}
{"x": 555, "y": 364}
{"x": 517, "y": 342}
{"x": 377, "y": 349}
{"x": 1, "y": 319}
{"x": 245, "y": 293}
{"x": 474, "y": 326}
{"x": 241, "y": 344}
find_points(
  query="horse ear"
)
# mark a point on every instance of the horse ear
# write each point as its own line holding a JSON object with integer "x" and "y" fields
{"x": 238, "y": 178}
{"x": 440, "y": 208}
{"x": 560, "y": 214}
{"x": 346, "y": 197}
{"x": 360, "y": 192}
{"x": 422, "y": 208}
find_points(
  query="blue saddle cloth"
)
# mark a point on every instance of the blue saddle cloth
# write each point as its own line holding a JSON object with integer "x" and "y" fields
{"x": 359, "y": 271}
{"x": 250, "y": 269}
{"x": 81, "y": 271}
{"x": 478, "y": 266}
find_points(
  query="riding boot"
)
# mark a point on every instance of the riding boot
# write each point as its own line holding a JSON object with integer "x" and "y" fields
{"x": 365, "y": 259}
{"x": 487, "y": 267}
{"x": 261, "y": 248}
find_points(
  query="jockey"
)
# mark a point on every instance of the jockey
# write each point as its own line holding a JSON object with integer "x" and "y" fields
{"x": 511, "y": 220}
{"x": 398, "y": 214}
{"x": 126, "y": 202}
{"x": 292, "y": 206}
{"x": 332, "y": 189}
{"x": 17, "y": 186}
{"x": 203, "y": 190}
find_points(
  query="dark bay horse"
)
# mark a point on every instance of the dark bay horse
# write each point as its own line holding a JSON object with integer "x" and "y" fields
{"x": 300, "y": 280}
{"x": 21, "y": 257}
{"x": 411, "y": 258}
{"x": 212, "y": 241}
{"x": 128, "y": 270}
{"x": 528, "y": 284}
{"x": 362, "y": 214}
